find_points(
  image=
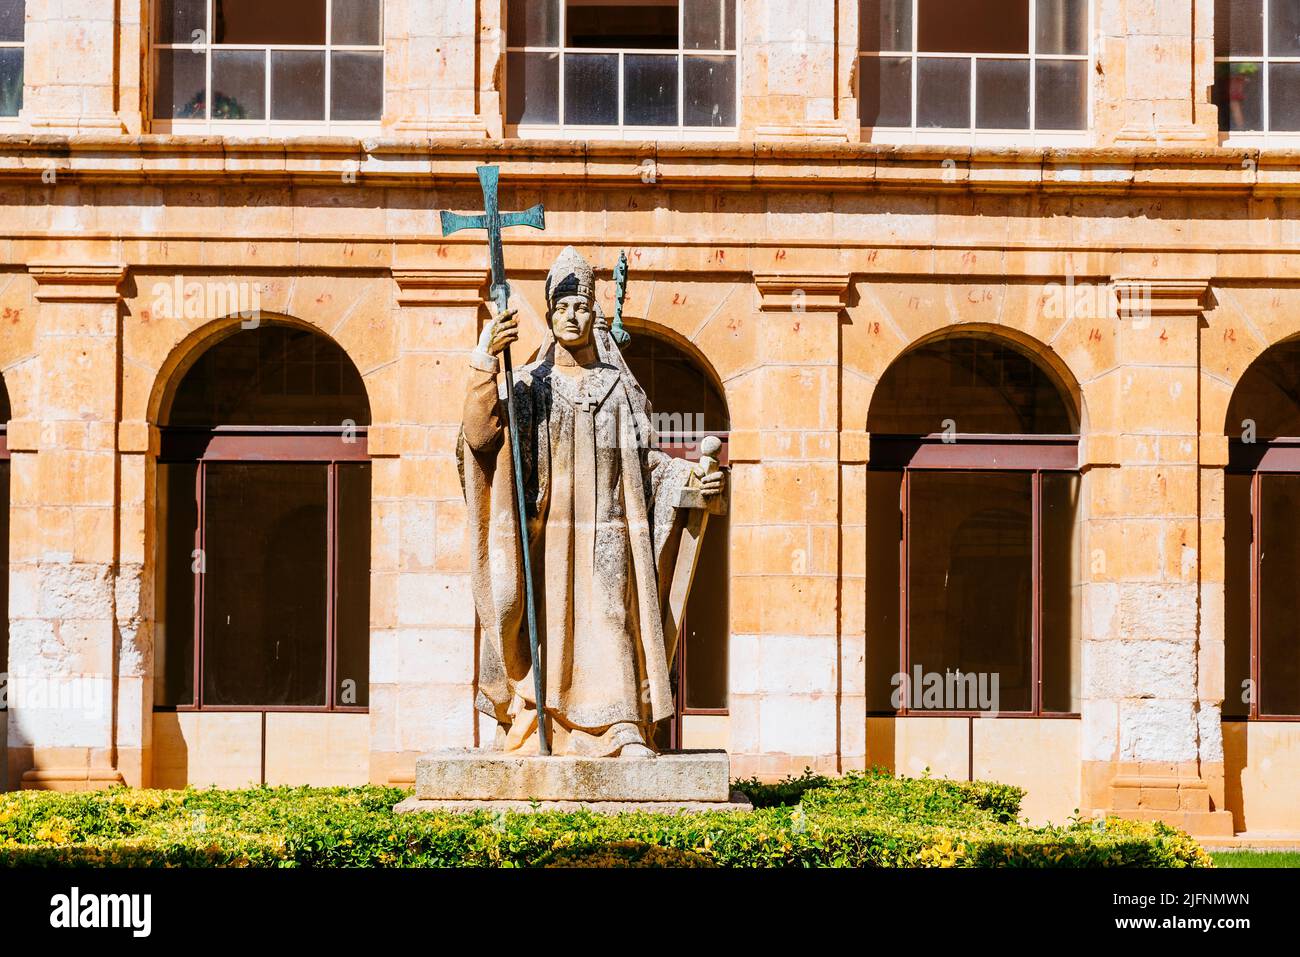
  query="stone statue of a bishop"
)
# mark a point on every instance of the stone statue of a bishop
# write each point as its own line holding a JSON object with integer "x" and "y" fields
{"x": 603, "y": 521}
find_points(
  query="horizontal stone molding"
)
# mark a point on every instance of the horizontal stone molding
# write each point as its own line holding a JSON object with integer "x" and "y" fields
{"x": 1145, "y": 298}
{"x": 24, "y": 435}
{"x": 58, "y": 282}
{"x": 440, "y": 287}
{"x": 802, "y": 292}
{"x": 449, "y": 152}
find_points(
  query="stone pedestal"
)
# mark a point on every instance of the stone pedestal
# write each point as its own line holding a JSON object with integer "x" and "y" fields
{"x": 463, "y": 780}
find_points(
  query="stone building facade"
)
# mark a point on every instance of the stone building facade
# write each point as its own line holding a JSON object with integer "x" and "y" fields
{"x": 1102, "y": 250}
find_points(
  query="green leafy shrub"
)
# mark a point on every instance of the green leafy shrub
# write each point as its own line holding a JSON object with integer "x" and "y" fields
{"x": 869, "y": 819}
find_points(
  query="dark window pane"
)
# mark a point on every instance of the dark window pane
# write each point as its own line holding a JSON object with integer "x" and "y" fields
{"x": 1062, "y": 26}
{"x": 970, "y": 587}
{"x": 886, "y": 91}
{"x": 533, "y": 23}
{"x": 983, "y": 386}
{"x": 1267, "y": 399}
{"x": 709, "y": 88}
{"x": 1002, "y": 94}
{"x": 707, "y": 623}
{"x": 238, "y": 85}
{"x": 591, "y": 89}
{"x": 265, "y": 585}
{"x": 281, "y": 22}
{"x": 180, "y": 89}
{"x": 649, "y": 90}
{"x": 675, "y": 385}
{"x": 533, "y": 94}
{"x": 12, "y": 20}
{"x": 943, "y": 93}
{"x": 11, "y": 81}
{"x": 884, "y": 535}
{"x": 356, "y": 23}
{"x": 1239, "y": 95}
{"x": 1062, "y": 593}
{"x": 297, "y": 85}
{"x": 1239, "y": 28}
{"x": 710, "y": 25}
{"x": 1284, "y": 97}
{"x": 1061, "y": 95}
{"x": 1279, "y": 595}
{"x": 884, "y": 25}
{"x": 1283, "y": 28}
{"x": 640, "y": 26}
{"x": 973, "y": 26}
{"x": 178, "y": 522}
{"x": 272, "y": 375}
{"x": 356, "y": 86}
{"x": 352, "y": 603}
{"x": 1238, "y": 534}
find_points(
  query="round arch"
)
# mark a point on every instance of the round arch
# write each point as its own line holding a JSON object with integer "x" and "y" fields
{"x": 1036, "y": 354}
{"x": 975, "y": 460}
{"x": 1261, "y": 504}
{"x": 191, "y": 349}
{"x": 263, "y": 522}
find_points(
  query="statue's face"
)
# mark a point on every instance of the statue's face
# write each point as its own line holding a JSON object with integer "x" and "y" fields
{"x": 571, "y": 319}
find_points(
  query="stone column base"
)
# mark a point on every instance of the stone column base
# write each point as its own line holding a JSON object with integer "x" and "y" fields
{"x": 1178, "y": 799}
{"x": 70, "y": 779}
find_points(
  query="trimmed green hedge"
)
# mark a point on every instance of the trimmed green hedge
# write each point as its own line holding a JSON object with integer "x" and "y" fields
{"x": 863, "y": 820}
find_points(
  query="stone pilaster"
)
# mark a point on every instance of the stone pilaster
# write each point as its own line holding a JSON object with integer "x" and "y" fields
{"x": 786, "y": 649}
{"x": 790, "y": 81}
{"x": 1149, "y": 747}
{"x": 431, "y": 63}
{"x": 70, "y": 79}
{"x": 70, "y": 656}
{"x": 423, "y": 638}
{"x": 1155, "y": 69}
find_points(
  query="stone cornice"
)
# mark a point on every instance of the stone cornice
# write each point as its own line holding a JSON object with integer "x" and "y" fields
{"x": 59, "y": 282}
{"x": 1145, "y": 298}
{"x": 421, "y": 161}
{"x": 440, "y": 287}
{"x": 802, "y": 292}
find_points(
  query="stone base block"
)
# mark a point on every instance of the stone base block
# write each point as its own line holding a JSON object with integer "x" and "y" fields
{"x": 685, "y": 777}
{"x": 1196, "y": 823}
{"x": 738, "y": 802}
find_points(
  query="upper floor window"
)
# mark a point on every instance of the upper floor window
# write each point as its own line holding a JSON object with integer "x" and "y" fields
{"x": 973, "y": 69}
{"x": 12, "y": 16}
{"x": 318, "y": 64}
{"x": 1257, "y": 65}
{"x": 603, "y": 67}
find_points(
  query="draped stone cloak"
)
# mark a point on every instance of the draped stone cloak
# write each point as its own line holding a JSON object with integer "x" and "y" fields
{"x": 601, "y": 525}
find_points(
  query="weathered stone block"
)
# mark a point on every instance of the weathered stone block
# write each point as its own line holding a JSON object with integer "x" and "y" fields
{"x": 470, "y": 775}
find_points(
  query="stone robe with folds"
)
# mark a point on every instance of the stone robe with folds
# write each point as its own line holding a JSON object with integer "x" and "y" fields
{"x": 602, "y": 524}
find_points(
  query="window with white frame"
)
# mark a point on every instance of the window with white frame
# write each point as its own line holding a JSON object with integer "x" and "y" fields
{"x": 12, "y": 17}
{"x": 974, "y": 66}
{"x": 619, "y": 64}
{"x": 318, "y": 64}
{"x": 1257, "y": 65}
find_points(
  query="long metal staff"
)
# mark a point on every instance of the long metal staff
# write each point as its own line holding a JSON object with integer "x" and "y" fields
{"x": 493, "y": 220}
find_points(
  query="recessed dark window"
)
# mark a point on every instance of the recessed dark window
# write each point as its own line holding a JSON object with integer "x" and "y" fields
{"x": 974, "y": 599}
{"x": 264, "y": 528}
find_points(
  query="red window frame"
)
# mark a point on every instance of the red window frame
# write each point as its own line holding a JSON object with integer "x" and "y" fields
{"x": 298, "y": 445}
{"x": 1257, "y": 459}
{"x": 1035, "y": 455}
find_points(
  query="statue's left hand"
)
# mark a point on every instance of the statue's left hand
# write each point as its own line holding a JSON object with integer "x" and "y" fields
{"x": 712, "y": 483}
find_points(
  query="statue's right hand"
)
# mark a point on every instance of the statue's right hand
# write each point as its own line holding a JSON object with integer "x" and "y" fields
{"x": 504, "y": 330}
